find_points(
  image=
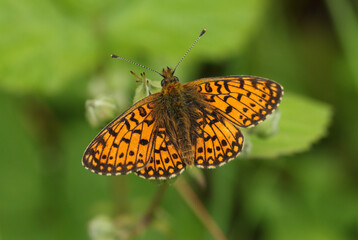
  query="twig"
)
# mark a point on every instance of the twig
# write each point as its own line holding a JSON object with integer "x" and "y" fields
{"x": 193, "y": 201}
{"x": 120, "y": 195}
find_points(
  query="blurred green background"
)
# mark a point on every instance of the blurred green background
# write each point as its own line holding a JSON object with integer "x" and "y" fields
{"x": 299, "y": 181}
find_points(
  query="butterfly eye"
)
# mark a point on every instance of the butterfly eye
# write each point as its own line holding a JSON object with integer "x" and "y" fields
{"x": 163, "y": 83}
{"x": 176, "y": 79}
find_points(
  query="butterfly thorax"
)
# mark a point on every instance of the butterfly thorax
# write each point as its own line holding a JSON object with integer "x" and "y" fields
{"x": 172, "y": 95}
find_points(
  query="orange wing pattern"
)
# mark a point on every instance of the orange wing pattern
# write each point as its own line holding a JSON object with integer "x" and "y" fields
{"x": 244, "y": 100}
{"x": 125, "y": 144}
{"x": 166, "y": 161}
{"x": 218, "y": 140}
{"x": 134, "y": 142}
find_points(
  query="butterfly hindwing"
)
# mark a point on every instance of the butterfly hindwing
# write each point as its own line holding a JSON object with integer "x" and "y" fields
{"x": 125, "y": 144}
{"x": 244, "y": 100}
{"x": 165, "y": 161}
{"x": 218, "y": 140}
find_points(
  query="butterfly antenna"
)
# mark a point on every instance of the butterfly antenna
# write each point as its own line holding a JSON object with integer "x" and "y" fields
{"x": 115, "y": 56}
{"x": 201, "y": 34}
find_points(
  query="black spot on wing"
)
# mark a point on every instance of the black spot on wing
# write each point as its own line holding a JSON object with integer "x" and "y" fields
{"x": 133, "y": 119}
{"x": 112, "y": 132}
{"x": 226, "y": 86}
{"x": 142, "y": 111}
{"x": 149, "y": 122}
{"x": 208, "y": 87}
{"x": 228, "y": 109}
{"x": 219, "y": 87}
{"x": 127, "y": 124}
{"x": 143, "y": 142}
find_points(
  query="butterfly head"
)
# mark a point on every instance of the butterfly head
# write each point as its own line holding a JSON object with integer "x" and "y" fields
{"x": 168, "y": 76}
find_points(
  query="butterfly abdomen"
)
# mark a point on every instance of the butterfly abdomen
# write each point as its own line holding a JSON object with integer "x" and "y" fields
{"x": 184, "y": 140}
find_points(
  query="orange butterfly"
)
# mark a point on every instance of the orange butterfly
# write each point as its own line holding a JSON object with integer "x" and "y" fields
{"x": 195, "y": 123}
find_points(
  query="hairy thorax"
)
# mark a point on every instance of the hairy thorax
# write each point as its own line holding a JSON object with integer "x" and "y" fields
{"x": 173, "y": 97}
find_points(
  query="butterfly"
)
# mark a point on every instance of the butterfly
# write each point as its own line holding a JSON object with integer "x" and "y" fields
{"x": 193, "y": 124}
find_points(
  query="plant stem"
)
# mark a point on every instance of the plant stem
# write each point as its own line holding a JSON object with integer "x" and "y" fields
{"x": 193, "y": 201}
{"x": 120, "y": 195}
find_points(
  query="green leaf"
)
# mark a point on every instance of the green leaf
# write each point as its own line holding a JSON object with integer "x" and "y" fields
{"x": 303, "y": 122}
{"x": 156, "y": 30}
{"x": 43, "y": 49}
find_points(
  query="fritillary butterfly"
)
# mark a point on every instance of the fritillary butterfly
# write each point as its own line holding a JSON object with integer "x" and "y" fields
{"x": 196, "y": 123}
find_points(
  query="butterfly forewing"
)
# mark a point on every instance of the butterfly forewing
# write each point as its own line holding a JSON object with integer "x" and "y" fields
{"x": 244, "y": 100}
{"x": 125, "y": 144}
